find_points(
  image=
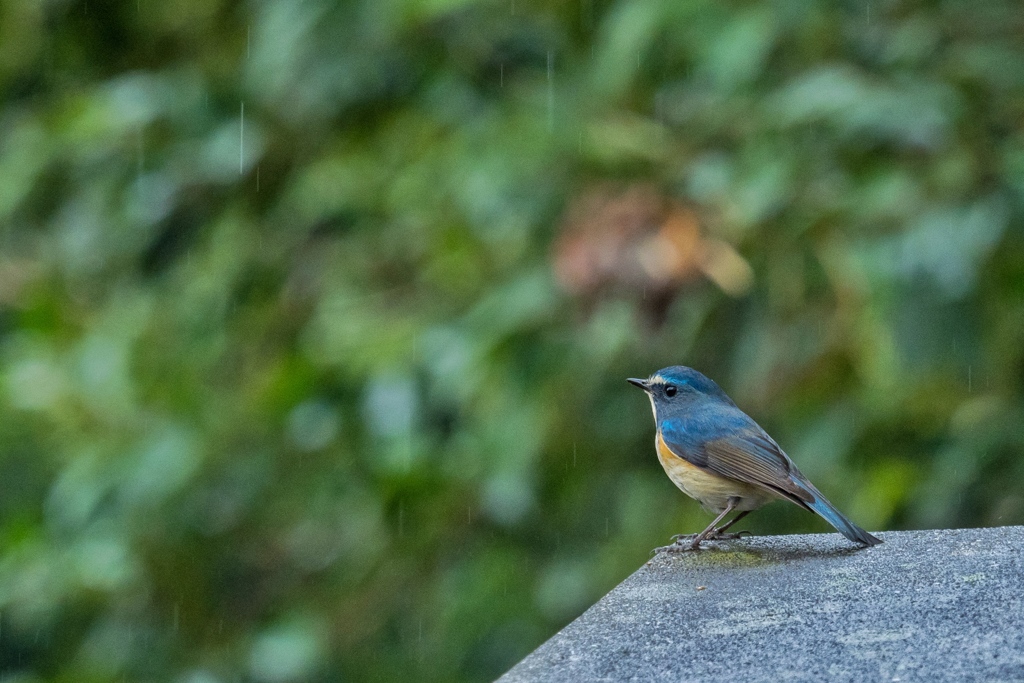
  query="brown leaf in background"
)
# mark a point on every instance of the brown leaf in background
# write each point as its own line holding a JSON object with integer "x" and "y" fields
{"x": 638, "y": 240}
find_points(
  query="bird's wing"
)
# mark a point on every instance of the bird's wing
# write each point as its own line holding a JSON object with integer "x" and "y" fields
{"x": 753, "y": 457}
{"x": 744, "y": 453}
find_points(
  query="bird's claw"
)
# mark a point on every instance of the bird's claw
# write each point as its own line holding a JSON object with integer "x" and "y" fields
{"x": 727, "y": 536}
{"x": 676, "y": 547}
{"x": 684, "y": 542}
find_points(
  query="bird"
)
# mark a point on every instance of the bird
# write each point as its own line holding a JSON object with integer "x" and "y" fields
{"x": 716, "y": 454}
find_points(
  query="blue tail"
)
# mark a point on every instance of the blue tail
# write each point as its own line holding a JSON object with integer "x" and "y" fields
{"x": 830, "y": 514}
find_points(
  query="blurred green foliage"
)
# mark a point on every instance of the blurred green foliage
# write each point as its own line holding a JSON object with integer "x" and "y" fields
{"x": 290, "y": 390}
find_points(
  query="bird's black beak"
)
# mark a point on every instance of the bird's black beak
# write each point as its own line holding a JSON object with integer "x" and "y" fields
{"x": 642, "y": 383}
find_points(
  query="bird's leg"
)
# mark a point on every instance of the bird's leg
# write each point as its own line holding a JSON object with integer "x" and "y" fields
{"x": 675, "y": 547}
{"x": 719, "y": 533}
{"x": 733, "y": 502}
{"x": 734, "y": 520}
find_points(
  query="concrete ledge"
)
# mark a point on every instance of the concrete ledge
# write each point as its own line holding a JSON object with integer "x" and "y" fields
{"x": 925, "y": 605}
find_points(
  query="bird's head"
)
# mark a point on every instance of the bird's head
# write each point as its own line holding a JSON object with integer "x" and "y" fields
{"x": 679, "y": 386}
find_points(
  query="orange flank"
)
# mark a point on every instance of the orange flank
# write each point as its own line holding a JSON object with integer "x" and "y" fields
{"x": 710, "y": 490}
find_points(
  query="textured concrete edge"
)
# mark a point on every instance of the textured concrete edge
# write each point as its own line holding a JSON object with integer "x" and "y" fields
{"x": 770, "y": 549}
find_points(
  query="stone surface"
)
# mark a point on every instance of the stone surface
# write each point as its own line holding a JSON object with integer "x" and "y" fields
{"x": 925, "y": 605}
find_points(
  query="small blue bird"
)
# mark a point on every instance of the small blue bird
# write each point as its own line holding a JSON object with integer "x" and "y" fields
{"x": 716, "y": 454}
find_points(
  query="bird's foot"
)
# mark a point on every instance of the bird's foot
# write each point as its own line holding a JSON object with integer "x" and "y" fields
{"x": 677, "y": 547}
{"x": 685, "y": 542}
{"x": 681, "y": 543}
{"x": 717, "y": 535}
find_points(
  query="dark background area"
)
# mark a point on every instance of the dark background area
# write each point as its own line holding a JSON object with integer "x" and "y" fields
{"x": 315, "y": 318}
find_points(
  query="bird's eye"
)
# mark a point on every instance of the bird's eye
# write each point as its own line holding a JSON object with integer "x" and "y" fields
{"x": 670, "y": 390}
